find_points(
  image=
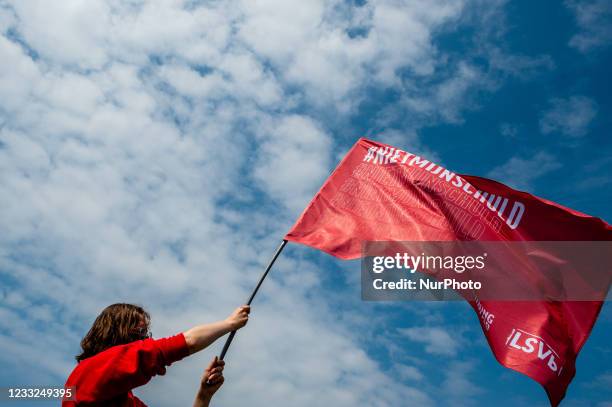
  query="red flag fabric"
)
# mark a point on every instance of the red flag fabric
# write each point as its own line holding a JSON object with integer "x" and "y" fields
{"x": 381, "y": 193}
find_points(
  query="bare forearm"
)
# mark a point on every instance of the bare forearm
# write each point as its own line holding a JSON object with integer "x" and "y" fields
{"x": 201, "y": 336}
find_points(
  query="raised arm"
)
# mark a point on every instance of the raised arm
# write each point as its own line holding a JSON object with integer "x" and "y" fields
{"x": 201, "y": 336}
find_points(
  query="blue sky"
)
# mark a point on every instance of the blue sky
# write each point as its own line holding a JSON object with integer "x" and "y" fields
{"x": 156, "y": 152}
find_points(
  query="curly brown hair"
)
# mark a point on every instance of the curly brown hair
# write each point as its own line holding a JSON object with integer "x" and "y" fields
{"x": 117, "y": 324}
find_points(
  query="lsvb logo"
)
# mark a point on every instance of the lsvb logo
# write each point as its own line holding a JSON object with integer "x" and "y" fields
{"x": 530, "y": 344}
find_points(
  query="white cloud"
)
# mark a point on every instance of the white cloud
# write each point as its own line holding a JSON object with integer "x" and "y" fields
{"x": 522, "y": 66}
{"x": 437, "y": 340}
{"x": 446, "y": 100}
{"x": 570, "y": 117}
{"x": 409, "y": 373}
{"x": 408, "y": 140}
{"x": 292, "y": 148}
{"x": 594, "y": 19}
{"x": 69, "y": 34}
{"x": 310, "y": 42}
{"x": 508, "y": 130}
{"x": 457, "y": 384}
{"x": 520, "y": 173}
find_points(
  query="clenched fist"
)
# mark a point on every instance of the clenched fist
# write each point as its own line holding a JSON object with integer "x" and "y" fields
{"x": 212, "y": 379}
{"x": 239, "y": 317}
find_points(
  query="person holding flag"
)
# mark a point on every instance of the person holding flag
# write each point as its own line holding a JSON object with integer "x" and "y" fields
{"x": 119, "y": 354}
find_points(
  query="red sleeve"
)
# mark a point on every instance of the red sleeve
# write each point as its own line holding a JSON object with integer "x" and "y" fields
{"x": 121, "y": 368}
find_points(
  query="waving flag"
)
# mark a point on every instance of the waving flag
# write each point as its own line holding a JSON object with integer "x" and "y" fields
{"x": 381, "y": 193}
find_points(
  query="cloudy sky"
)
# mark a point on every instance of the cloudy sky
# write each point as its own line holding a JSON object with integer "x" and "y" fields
{"x": 157, "y": 151}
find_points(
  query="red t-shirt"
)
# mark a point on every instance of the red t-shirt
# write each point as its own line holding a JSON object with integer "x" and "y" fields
{"x": 107, "y": 379}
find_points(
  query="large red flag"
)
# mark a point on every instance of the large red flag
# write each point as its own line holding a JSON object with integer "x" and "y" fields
{"x": 381, "y": 193}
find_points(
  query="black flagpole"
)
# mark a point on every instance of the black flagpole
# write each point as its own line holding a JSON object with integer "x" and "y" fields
{"x": 230, "y": 338}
